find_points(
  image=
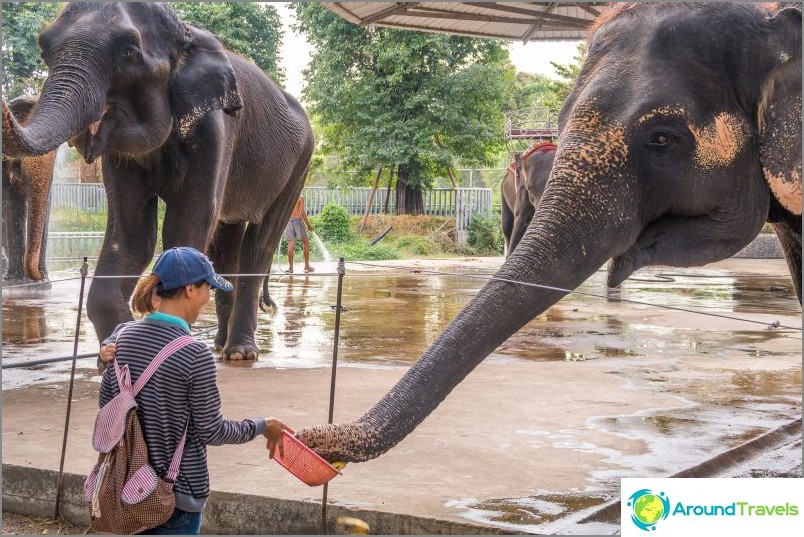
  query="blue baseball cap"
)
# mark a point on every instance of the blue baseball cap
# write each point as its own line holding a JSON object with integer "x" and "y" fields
{"x": 183, "y": 265}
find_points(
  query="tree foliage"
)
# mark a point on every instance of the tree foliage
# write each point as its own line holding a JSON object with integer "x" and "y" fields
{"x": 534, "y": 90}
{"x": 24, "y": 72}
{"x": 569, "y": 73}
{"x": 410, "y": 101}
{"x": 253, "y": 30}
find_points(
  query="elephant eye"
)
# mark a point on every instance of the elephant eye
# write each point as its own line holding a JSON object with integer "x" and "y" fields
{"x": 130, "y": 53}
{"x": 659, "y": 139}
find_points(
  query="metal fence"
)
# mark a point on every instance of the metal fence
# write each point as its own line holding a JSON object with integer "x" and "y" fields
{"x": 72, "y": 245}
{"x": 86, "y": 197}
{"x": 91, "y": 197}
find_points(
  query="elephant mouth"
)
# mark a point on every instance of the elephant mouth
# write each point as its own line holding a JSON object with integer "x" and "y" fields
{"x": 91, "y": 142}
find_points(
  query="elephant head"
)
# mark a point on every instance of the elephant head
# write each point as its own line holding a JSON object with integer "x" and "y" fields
{"x": 29, "y": 181}
{"x": 682, "y": 129}
{"x": 115, "y": 84}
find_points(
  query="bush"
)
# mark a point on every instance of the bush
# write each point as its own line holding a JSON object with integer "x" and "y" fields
{"x": 361, "y": 250}
{"x": 485, "y": 234}
{"x": 334, "y": 224}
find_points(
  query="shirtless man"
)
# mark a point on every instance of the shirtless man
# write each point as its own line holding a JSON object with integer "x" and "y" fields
{"x": 296, "y": 230}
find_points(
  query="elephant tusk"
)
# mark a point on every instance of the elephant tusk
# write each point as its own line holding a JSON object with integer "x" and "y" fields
{"x": 93, "y": 127}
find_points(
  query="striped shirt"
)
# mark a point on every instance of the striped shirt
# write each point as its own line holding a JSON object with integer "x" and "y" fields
{"x": 183, "y": 390}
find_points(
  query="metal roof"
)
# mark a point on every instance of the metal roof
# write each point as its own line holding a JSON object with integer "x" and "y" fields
{"x": 526, "y": 21}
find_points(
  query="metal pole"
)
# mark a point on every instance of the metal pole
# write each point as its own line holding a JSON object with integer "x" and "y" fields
{"x": 341, "y": 272}
{"x": 84, "y": 270}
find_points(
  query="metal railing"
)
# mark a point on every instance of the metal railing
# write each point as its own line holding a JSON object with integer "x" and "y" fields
{"x": 86, "y": 197}
{"x": 91, "y": 197}
{"x": 73, "y": 244}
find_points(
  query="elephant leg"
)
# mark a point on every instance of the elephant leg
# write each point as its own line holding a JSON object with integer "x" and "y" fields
{"x": 224, "y": 251}
{"x": 791, "y": 245}
{"x": 15, "y": 210}
{"x": 128, "y": 245}
{"x": 256, "y": 254}
{"x": 507, "y": 226}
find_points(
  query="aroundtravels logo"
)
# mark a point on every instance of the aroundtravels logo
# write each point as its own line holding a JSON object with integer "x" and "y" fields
{"x": 648, "y": 508}
{"x": 713, "y": 506}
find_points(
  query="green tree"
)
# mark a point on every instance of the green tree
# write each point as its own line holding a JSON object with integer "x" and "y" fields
{"x": 536, "y": 90}
{"x": 411, "y": 102}
{"x": 24, "y": 72}
{"x": 253, "y": 30}
{"x": 569, "y": 73}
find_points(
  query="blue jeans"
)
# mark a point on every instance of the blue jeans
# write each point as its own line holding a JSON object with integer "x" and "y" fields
{"x": 181, "y": 523}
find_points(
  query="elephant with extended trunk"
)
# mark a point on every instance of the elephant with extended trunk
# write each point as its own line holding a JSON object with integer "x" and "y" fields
{"x": 522, "y": 188}
{"x": 26, "y": 206}
{"x": 680, "y": 138}
{"x": 181, "y": 119}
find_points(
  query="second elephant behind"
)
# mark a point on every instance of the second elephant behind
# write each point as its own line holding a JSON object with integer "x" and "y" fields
{"x": 521, "y": 190}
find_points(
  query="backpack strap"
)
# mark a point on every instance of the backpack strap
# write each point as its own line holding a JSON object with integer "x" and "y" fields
{"x": 122, "y": 373}
{"x": 175, "y": 463}
{"x": 166, "y": 352}
{"x": 163, "y": 355}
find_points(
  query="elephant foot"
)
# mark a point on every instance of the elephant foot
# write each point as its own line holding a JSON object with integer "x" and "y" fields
{"x": 269, "y": 308}
{"x": 220, "y": 341}
{"x": 30, "y": 285}
{"x": 243, "y": 351}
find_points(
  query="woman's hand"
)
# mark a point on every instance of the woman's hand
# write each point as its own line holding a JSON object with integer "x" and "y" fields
{"x": 107, "y": 352}
{"x": 273, "y": 432}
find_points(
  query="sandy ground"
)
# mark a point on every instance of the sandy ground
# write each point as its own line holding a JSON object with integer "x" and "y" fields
{"x": 588, "y": 392}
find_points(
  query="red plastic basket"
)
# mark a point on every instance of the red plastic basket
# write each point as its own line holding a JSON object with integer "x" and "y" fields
{"x": 303, "y": 462}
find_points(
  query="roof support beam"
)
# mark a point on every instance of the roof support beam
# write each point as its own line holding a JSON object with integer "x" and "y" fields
{"x": 569, "y": 21}
{"x": 589, "y": 9}
{"x": 400, "y": 7}
{"x": 453, "y": 15}
{"x": 538, "y": 25}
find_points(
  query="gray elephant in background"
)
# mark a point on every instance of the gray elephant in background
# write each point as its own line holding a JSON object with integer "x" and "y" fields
{"x": 680, "y": 138}
{"x": 182, "y": 119}
{"x": 522, "y": 188}
{"x": 26, "y": 207}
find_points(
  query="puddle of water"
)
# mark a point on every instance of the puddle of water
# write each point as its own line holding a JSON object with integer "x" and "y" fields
{"x": 392, "y": 318}
{"x": 530, "y": 514}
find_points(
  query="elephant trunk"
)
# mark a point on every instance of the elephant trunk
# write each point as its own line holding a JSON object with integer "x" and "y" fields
{"x": 585, "y": 217}
{"x": 71, "y": 99}
{"x": 38, "y": 172}
{"x": 553, "y": 253}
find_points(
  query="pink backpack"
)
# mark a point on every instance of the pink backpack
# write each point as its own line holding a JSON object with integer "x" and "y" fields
{"x": 123, "y": 492}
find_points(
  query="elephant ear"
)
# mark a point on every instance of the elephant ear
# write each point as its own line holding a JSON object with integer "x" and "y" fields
{"x": 204, "y": 81}
{"x": 779, "y": 113}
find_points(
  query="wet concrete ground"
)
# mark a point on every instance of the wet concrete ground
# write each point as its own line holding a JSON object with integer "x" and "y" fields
{"x": 590, "y": 391}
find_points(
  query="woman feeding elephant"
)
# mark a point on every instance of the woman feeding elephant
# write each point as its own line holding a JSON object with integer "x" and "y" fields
{"x": 183, "y": 120}
{"x": 679, "y": 140}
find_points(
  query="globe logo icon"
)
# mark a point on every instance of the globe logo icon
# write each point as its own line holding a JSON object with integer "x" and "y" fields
{"x": 648, "y": 508}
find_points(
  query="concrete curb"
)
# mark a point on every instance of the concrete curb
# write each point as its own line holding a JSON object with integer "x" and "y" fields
{"x": 32, "y": 491}
{"x": 764, "y": 246}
